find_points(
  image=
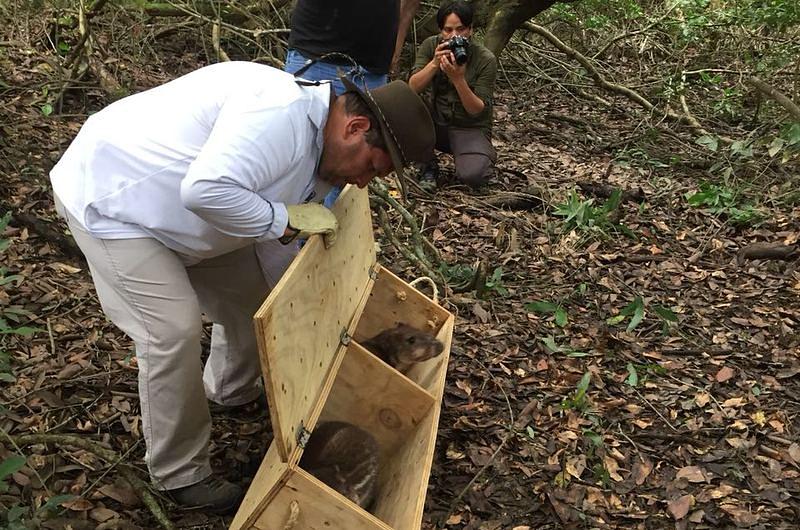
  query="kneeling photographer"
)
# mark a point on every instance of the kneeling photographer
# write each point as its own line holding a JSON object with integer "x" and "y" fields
{"x": 460, "y": 74}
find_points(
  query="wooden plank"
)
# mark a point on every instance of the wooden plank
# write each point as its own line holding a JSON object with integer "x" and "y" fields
{"x": 430, "y": 375}
{"x": 392, "y": 301}
{"x": 300, "y": 324}
{"x": 404, "y": 478}
{"x": 321, "y": 508}
{"x": 271, "y": 474}
{"x": 371, "y": 394}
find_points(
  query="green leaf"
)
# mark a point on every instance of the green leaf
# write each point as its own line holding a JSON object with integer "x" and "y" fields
{"x": 4, "y": 220}
{"x": 665, "y": 314}
{"x": 583, "y": 384}
{"x": 53, "y": 502}
{"x": 742, "y": 148}
{"x": 540, "y": 306}
{"x": 577, "y": 354}
{"x": 47, "y": 109}
{"x": 551, "y": 345}
{"x": 24, "y": 331}
{"x": 711, "y": 142}
{"x": 615, "y": 320}
{"x": 595, "y": 438}
{"x": 561, "y": 317}
{"x": 11, "y": 465}
{"x": 8, "y": 279}
{"x": 633, "y": 376}
{"x": 530, "y": 431}
{"x": 7, "y": 378}
{"x": 613, "y": 201}
{"x": 776, "y": 145}
{"x": 638, "y": 314}
{"x": 792, "y": 134}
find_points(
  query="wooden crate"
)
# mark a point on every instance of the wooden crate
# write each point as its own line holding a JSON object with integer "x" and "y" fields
{"x": 315, "y": 370}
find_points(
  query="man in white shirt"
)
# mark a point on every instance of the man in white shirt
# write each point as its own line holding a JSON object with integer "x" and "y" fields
{"x": 166, "y": 192}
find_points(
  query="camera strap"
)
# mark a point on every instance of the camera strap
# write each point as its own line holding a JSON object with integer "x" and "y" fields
{"x": 354, "y": 72}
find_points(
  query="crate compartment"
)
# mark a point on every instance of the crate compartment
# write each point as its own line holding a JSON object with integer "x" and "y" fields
{"x": 391, "y": 302}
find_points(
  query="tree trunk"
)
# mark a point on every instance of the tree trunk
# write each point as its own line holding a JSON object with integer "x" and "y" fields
{"x": 501, "y": 18}
{"x": 508, "y": 16}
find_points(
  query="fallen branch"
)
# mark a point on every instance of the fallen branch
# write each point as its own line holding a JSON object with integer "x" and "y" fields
{"x": 602, "y": 82}
{"x": 770, "y": 251}
{"x": 109, "y": 456}
{"x": 776, "y": 95}
{"x": 383, "y": 219}
{"x": 515, "y": 200}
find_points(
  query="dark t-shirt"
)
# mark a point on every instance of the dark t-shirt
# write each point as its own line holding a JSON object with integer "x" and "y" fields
{"x": 365, "y": 30}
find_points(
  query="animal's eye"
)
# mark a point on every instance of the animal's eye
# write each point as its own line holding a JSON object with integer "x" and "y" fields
{"x": 411, "y": 340}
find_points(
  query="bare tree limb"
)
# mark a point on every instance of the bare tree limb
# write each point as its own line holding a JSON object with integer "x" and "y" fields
{"x": 776, "y": 95}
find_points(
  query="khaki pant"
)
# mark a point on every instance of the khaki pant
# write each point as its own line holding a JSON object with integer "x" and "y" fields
{"x": 473, "y": 153}
{"x": 145, "y": 289}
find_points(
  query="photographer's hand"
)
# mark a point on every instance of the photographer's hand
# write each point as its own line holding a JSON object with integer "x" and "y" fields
{"x": 454, "y": 71}
{"x": 442, "y": 52}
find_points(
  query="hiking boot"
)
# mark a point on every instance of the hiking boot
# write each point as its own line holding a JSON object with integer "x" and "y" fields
{"x": 257, "y": 407}
{"x": 212, "y": 493}
{"x": 428, "y": 176}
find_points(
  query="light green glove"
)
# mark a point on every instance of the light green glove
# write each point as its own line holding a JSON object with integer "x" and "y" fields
{"x": 312, "y": 218}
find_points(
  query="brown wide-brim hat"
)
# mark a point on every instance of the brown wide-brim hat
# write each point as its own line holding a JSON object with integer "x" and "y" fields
{"x": 406, "y": 124}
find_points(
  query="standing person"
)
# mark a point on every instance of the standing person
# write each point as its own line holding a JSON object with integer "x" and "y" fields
{"x": 366, "y": 32}
{"x": 361, "y": 39}
{"x": 356, "y": 37}
{"x": 461, "y": 95}
{"x": 167, "y": 191}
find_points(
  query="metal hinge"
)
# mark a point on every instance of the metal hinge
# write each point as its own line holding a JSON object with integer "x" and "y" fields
{"x": 303, "y": 435}
{"x": 344, "y": 338}
{"x": 373, "y": 272}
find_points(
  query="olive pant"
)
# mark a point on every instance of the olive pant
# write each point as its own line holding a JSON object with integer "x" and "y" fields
{"x": 147, "y": 291}
{"x": 473, "y": 153}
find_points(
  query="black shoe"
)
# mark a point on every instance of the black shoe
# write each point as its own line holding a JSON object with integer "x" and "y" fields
{"x": 429, "y": 175}
{"x": 212, "y": 493}
{"x": 257, "y": 407}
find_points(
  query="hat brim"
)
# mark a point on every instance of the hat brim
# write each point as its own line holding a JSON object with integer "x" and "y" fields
{"x": 388, "y": 138}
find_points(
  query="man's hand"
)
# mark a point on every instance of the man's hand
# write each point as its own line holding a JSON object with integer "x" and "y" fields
{"x": 312, "y": 218}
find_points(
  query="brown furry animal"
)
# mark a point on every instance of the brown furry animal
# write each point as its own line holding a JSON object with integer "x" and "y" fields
{"x": 403, "y": 346}
{"x": 346, "y": 458}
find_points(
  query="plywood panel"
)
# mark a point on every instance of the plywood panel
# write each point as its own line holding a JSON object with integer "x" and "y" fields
{"x": 271, "y": 473}
{"x": 321, "y": 508}
{"x": 300, "y": 324}
{"x": 430, "y": 374}
{"x": 404, "y": 478}
{"x": 392, "y": 302}
{"x": 369, "y": 393}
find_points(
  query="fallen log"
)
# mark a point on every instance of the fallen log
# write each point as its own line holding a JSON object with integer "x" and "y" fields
{"x": 769, "y": 251}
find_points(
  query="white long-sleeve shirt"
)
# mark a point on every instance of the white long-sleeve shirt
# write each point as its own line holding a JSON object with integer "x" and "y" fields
{"x": 206, "y": 163}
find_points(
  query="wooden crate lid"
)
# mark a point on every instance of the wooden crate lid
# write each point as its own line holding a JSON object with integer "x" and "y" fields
{"x": 300, "y": 324}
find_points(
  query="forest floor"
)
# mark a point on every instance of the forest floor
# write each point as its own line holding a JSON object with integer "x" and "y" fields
{"x": 654, "y": 385}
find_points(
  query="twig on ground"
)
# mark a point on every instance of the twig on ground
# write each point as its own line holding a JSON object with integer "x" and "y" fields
{"x": 109, "y": 456}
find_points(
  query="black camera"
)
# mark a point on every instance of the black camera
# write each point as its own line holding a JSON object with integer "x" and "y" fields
{"x": 458, "y": 45}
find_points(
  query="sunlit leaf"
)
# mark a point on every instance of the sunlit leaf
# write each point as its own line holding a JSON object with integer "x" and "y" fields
{"x": 633, "y": 376}
{"x": 711, "y": 142}
{"x": 540, "y": 306}
{"x": 561, "y": 317}
{"x": 11, "y": 465}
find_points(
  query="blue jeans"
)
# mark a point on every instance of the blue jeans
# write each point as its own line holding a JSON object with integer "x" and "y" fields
{"x": 322, "y": 71}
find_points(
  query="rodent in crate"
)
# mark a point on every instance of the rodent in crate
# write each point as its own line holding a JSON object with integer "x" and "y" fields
{"x": 346, "y": 458}
{"x": 402, "y": 346}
